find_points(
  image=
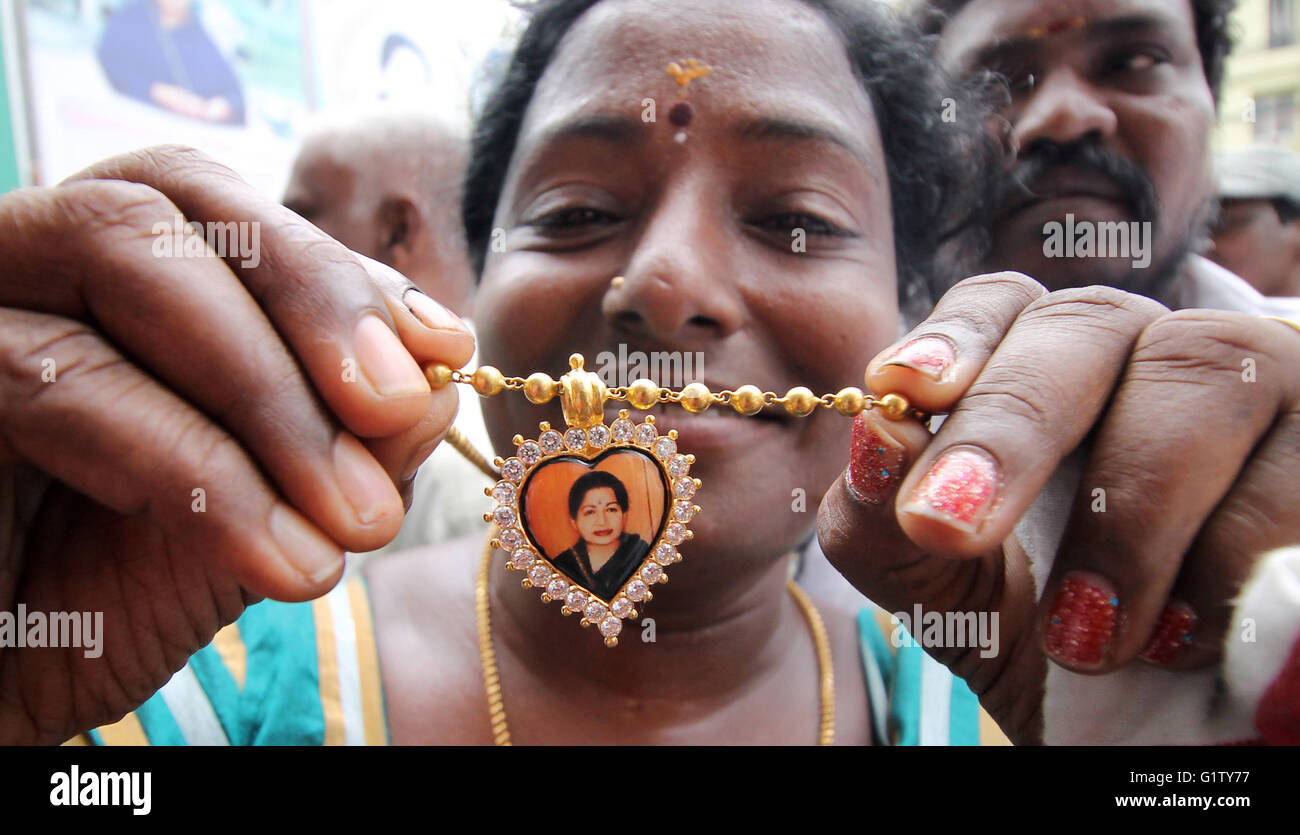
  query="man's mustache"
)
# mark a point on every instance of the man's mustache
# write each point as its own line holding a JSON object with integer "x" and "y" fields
{"x": 1136, "y": 188}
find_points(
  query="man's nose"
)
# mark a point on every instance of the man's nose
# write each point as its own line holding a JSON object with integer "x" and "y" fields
{"x": 679, "y": 283}
{"x": 1063, "y": 108}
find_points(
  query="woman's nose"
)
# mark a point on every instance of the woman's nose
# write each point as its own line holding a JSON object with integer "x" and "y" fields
{"x": 679, "y": 282}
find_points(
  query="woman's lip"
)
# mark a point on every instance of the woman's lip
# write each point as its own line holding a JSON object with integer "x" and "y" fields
{"x": 605, "y": 532}
{"x": 697, "y": 433}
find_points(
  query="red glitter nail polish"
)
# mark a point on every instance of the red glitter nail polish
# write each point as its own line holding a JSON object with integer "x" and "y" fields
{"x": 1173, "y": 632}
{"x": 958, "y": 488}
{"x": 1082, "y": 622}
{"x": 875, "y": 464}
{"x": 931, "y": 355}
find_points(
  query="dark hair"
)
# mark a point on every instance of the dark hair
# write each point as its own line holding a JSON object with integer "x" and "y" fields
{"x": 1287, "y": 209}
{"x": 938, "y": 170}
{"x": 1213, "y": 37}
{"x": 592, "y": 481}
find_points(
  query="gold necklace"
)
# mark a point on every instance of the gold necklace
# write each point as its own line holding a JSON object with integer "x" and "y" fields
{"x": 492, "y": 674}
{"x": 625, "y": 485}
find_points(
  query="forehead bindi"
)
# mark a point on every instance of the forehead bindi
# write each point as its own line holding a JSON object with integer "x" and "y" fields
{"x": 771, "y": 56}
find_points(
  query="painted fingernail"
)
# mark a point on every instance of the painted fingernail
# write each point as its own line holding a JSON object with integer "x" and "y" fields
{"x": 364, "y": 483}
{"x": 430, "y": 313}
{"x": 305, "y": 548}
{"x": 875, "y": 464}
{"x": 933, "y": 356}
{"x": 1173, "y": 632}
{"x": 1082, "y": 620}
{"x": 959, "y": 489}
{"x": 385, "y": 361}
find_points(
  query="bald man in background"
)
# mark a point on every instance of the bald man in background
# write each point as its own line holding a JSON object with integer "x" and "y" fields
{"x": 388, "y": 186}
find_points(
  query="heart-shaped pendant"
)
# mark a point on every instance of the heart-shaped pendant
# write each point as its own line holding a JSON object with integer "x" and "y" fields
{"x": 594, "y": 515}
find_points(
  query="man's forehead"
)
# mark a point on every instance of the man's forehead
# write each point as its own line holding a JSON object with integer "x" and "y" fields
{"x": 984, "y": 24}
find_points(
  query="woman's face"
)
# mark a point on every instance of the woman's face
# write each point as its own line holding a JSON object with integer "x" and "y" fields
{"x": 764, "y": 241}
{"x": 600, "y": 518}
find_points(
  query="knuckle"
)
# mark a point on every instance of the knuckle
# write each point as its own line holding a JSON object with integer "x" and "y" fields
{"x": 1107, "y": 307}
{"x": 1012, "y": 284}
{"x": 982, "y": 304}
{"x": 1196, "y": 339}
{"x": 1021, "y": 395}
{"x": 90, "y": 209}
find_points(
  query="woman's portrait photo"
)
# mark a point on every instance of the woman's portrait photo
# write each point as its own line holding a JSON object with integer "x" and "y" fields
{"x": 596, "y": 524}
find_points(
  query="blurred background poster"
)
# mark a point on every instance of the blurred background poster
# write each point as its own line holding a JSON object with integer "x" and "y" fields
{"x": 229, "y": 76}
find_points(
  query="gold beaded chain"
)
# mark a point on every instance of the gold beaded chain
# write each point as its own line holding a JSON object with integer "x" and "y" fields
{"x": 492, "y": 674}
{"x": 695, "y": 398}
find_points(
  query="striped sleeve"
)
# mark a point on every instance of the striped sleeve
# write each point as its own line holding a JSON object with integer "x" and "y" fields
{"x": 283, "y": 674}
{"x": 915, "y": 700}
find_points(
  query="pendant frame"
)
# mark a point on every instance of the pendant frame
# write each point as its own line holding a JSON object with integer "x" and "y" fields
{"x": 511, "y": 531}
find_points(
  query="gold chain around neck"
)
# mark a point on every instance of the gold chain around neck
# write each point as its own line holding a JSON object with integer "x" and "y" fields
{"x": 492, "y": 675}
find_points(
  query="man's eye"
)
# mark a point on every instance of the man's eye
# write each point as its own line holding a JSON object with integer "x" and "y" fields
{"x": 574, "y": 218}
{"x": 788, "y": 222}
{"x": 1137, "y": 62}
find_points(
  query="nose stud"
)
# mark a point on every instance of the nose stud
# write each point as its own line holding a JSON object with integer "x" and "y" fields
{"x": 616, "y": 282}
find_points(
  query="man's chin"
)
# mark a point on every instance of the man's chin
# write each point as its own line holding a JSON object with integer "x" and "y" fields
{"x": 1152, "y": 281}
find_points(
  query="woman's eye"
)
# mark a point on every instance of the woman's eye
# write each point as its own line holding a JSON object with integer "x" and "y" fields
{"x": 574, "y": 218}
{"x": 790, "y": 221}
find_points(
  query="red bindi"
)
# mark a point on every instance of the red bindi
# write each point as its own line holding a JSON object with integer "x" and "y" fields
{"x": 681, "y": 114}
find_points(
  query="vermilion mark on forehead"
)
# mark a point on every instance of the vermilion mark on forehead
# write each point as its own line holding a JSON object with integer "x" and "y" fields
{"x": 1056, "y": 27}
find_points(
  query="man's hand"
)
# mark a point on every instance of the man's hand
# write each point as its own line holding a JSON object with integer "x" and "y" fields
{"x": 1194, "y": 421}
{"x": 180, "y": 435}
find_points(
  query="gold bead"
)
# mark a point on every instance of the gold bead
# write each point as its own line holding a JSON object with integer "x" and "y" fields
{"x": 438, "y": 374}
{"x": 696, "y": 398}
{"x": 488, "y": 381}
{"x": 800, "y": 402}
{"x": 850, "y": 401}
{"x": 643, "y": 393}
{"x": 894, "y": 406}
{"x": 539, "y": 388}
{"x": 747, "y": 400}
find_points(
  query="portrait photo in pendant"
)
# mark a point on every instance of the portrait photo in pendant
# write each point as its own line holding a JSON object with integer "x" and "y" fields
{"x": 596, "y": 520}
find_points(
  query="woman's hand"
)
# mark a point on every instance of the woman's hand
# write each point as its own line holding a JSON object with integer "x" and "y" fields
{"x": 183, "y": 434}
{"x": 1191, "y": 475}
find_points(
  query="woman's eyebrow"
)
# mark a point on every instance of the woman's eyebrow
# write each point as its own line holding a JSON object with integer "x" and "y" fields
{"x": 782, "y": 129}
{"x": 610, "y": 127}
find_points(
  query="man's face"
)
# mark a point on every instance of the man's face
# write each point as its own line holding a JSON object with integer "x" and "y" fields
{"x": 1110, "y": 116}
{"x": 1251, "y": 240}
{"x": 324, "y": 188}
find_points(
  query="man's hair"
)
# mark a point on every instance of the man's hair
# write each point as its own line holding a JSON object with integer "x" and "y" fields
{"x": 594, "y": 480}
{"x": 1213, "y": 37}
{"x": 938, "y": 170}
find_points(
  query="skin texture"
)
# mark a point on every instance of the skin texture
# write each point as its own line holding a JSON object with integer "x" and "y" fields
{"x": 1139, "y": 92}
{"x": 387, "y": 187}
{"x": 1251, "y": 240}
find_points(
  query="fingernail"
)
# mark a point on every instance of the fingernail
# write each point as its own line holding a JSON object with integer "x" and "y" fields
{"x": 1173, "y": 632}
{"x": 1082, "y": 620}
{"x": 430, "y": 313}
{"x": 364, "y": 483}
{"x": 309, "y": 552}
{"x": 385, "y": 361}
{"x": 875, "y": 464}
{"x": 959, "y": 489}
{"x": 933, "y": 356}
